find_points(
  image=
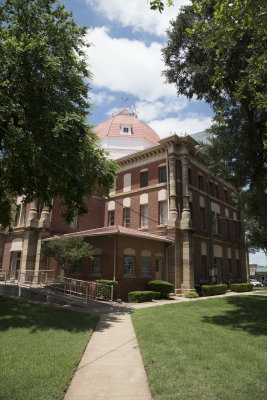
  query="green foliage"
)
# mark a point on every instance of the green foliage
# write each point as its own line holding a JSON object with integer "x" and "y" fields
{"x": 47, "y": 148}
{"x": 213, "y": 290}
{"x": 160, "y": 286}
{"x": 191, "y": 295}
{"x": 67, "y": 251}
{"x": 159, "y": 5}
{"x": 217, "y": 52}
{"x": 241, "y": 287}
{"x": 140, "y": 296}
{"x": 156, "y": 295}
{"x": 103, "y": 289}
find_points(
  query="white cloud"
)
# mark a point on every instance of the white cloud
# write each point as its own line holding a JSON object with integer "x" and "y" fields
{"x": 127, "y": 66}
{"x": 191, "y": 123}
{"x": 101, "y": 97}
{"x": 137, "y": 14}
{"x": 148, "y": 111}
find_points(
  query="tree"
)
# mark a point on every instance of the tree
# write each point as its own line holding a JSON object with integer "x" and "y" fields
{"x": 67, "y": 251}
{"x": 216, "y": 51}
{"x": 47, "y": 148}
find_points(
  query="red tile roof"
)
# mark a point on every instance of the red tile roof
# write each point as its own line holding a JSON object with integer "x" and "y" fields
{"x": 117, "y": 230}
{"x": 112, "y": 127}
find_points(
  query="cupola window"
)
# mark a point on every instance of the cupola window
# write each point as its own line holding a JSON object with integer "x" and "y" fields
{"x": 126, "y": 129}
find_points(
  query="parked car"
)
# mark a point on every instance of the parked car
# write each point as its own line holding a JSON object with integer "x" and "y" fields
{"x": 255, "y": 282}
{"x": 264, "y": 282}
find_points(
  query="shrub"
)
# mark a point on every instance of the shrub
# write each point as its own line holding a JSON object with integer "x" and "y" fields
{"x": 160, "y": 286}
{"x": 212, "y": 290}
{"x": 140, "y": 296}
{"x": 103, "y": 289}
{"x": 156, "y": 295}
{"x": 241, "y": 287}
{"x": 191, "y": 295}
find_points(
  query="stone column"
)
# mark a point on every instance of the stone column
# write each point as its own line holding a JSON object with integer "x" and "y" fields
{"x": 173, "y": 212}
{"x": 38, "y": 257}
{"x": 186, "y": 222}
{"x": 44, "y": 221}
{"x": 186, "y": 234}
{"x": 32, "y": 218}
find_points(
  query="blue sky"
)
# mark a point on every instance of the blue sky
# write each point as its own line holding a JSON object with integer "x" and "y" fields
{"x": 126, "y": 38}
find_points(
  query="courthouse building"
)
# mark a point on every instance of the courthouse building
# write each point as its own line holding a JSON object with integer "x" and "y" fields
{"x": 167, "y": 217}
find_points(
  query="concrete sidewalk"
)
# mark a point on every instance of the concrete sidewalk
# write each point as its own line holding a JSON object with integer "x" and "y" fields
{"x": 111, "y": 367}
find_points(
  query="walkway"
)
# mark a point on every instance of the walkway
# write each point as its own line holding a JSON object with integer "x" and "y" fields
{"x": 111, "y": 367}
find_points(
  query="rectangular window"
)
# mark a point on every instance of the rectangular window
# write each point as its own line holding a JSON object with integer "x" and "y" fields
{"x": 202, "y": 218}
{"x": 128, "y": 265}
{"x": 126, "y": 217}
{"x": 214, "y": 223}
{"x": 144, "y": 216}
{"x": 163, "y": 212}
{"x": 162, "y": 174}
{"x": 20, "y": 215}
{"x": 225, "y": 195}
{"x": 211, "y": 186}
{"x": 96, "y": 264}
{"x": 219, "y": 224}
{"x": 144, "y": 179}
{"x": 146, "y": 266}
{"x": 236, "y": 229}
{"x": 227, "y": 227}
{"x": 111, "y": 218}
{"x": 200, "y": 182}
{"x": 74, "y": 222}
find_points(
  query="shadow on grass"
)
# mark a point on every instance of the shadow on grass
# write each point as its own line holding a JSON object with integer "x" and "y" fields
{"x": 35, "y": 317}
{"x": 248, "y": 313}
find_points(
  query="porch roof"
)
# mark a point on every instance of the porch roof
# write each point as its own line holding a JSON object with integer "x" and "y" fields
{"x": 116, "y": 230}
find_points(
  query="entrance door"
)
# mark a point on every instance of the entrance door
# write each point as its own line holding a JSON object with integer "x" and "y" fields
{"x": 15, "y": 264}
{"x": 159, "y": 266}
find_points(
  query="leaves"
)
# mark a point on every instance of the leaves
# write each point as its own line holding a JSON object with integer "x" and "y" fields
{"x": 47, "y": 148}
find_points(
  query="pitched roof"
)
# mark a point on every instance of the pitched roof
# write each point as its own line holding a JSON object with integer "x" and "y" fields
{"x": 139, "y": 130}
{"x": 116, "y": 230}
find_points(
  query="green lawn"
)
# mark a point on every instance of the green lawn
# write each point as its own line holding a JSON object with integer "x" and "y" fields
{"x": 40, "y": 347}
{"x": 214, "y": 349}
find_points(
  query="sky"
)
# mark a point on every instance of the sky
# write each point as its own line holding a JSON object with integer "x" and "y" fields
{"x": 125, "y": 60}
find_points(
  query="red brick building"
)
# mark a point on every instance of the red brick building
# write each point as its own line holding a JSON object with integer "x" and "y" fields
{"x": 167, "y": 217}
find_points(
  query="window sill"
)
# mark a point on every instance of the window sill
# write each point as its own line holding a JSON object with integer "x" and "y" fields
{"x": 129, "y": 276}
{"x": 95, "y": 274}
{"x": 162, "y": 226}
{"x": 143, "y": 229}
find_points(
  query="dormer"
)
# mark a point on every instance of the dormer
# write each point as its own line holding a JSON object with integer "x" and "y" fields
{"x": 126, "y": 129}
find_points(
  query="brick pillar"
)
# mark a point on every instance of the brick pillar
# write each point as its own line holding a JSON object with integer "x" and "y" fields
{"x": 186, "y": 233}
{"x": 173, "y": 212}
{"x": 28, "y": 252}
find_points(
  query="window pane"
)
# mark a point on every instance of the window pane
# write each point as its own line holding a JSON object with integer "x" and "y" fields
{"x": 162, "y": 174}
{"x": 163, "y": 213}
{"x": 128, "y": 266}
{"x": 146, "y": 266}
{"x": 111, "y": 216}
{"x": 144, "y": 179}
{"x": 144, "y": 216}
{"x": 126, "y": 217}
{"x": 96, "y": 264}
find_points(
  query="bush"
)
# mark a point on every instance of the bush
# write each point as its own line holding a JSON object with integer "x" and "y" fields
{"x": 190, "y": 295}
{"x": 212, "y": 290}
{"x": 241, "y": 287}
{"x": 156, "y": 295}
{"x": 160, "y": 286}
{"x": 140, "y": 296}
{"x": 103, "y": 289}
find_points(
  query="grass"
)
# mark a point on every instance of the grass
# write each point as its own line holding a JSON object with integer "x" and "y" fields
{"x": 40, "y": 347}
{"x": 214, "y": 349}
